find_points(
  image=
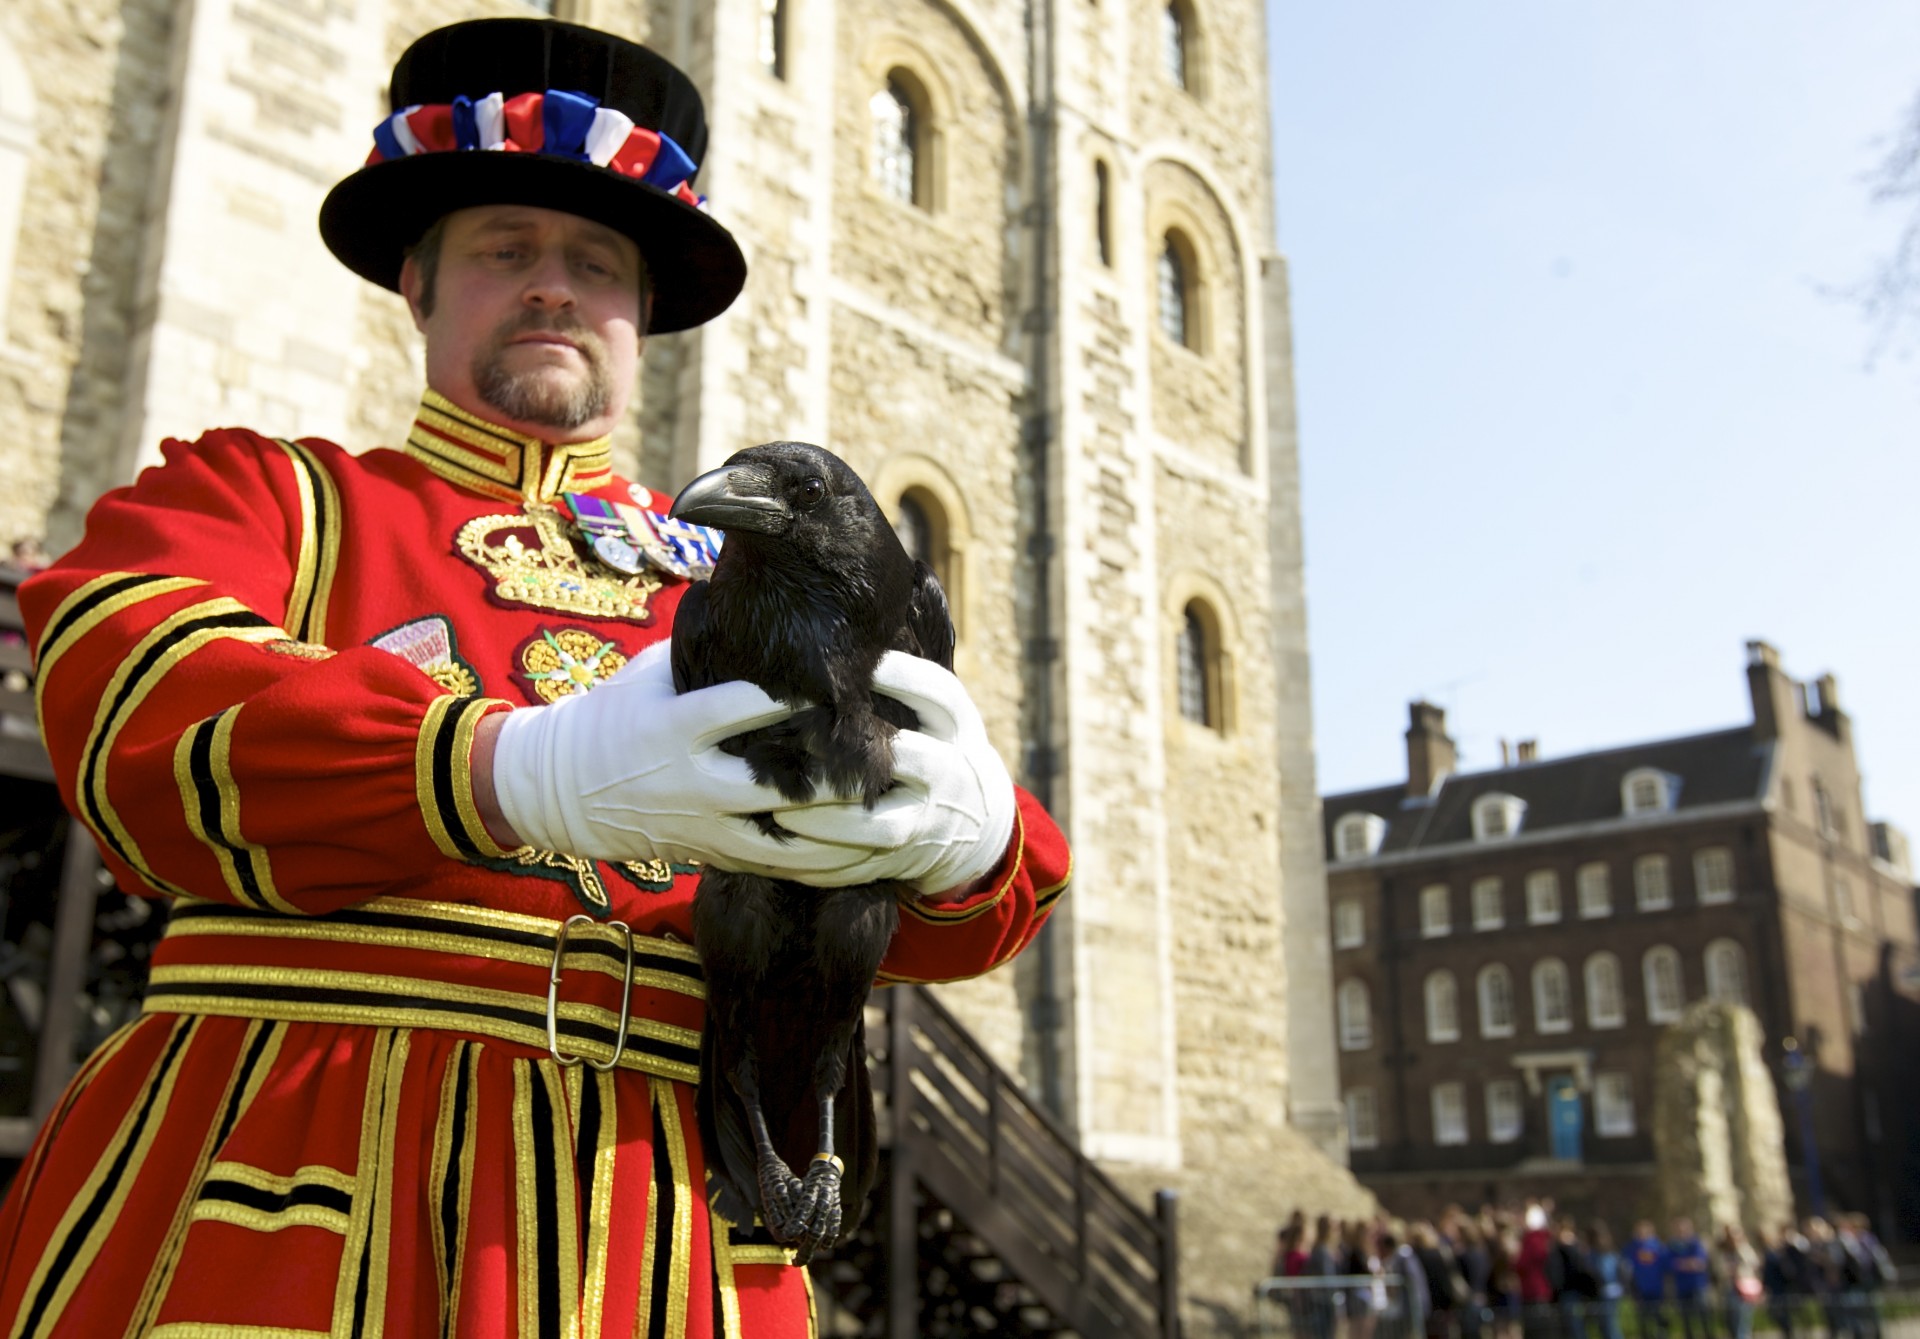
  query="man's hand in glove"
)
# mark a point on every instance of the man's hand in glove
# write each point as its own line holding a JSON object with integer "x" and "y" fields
{"x": 947, "y": 820}
{"x": 633, "y": 771}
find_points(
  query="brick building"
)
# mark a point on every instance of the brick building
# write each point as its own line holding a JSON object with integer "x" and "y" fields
{"x": 1509, "y": 943}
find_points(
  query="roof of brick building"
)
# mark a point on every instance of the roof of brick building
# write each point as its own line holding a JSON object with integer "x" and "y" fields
{"x": 1712, "y": 769}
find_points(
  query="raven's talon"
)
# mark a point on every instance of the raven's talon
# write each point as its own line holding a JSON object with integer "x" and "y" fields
{"x": 818, "y": 1209}
{"x": 780, "y": 1191}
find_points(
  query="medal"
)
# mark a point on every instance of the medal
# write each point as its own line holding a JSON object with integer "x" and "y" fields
{"x": 695, "y": 547}
{"x": 615, "y": 552}
{"x": 630, "y": 538}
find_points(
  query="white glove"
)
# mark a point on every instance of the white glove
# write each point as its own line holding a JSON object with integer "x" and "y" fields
{"x": 947, "y": 819}
{"x": 633, "y": 771}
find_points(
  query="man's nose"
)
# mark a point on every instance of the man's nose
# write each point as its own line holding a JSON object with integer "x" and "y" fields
{"x": 550, "y": 285}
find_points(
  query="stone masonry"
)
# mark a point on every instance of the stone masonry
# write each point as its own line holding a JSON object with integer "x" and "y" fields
{"x": 158, "y": 183}
{"x": 1717, "y": 1134}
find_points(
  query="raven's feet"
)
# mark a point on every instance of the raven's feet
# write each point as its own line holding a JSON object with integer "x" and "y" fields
{"x": 781, "y": 1192}
{"x": 815, "y": 1217}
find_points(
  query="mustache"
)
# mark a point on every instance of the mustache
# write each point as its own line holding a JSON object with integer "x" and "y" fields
{"x": 536, "y": 321}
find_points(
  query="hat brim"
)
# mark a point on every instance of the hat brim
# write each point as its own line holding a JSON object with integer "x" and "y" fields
{"x": 370, "y": 219}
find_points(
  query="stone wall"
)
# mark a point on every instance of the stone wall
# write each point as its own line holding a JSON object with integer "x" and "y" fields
{"x": 1717, "y": 1136}
{"x": 99, "y": 74}
{"x": 947, "y": 265}
{"x": 1200, "y": 393}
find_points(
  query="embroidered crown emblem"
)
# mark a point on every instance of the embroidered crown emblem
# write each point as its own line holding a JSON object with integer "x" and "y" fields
{"x": 547, "y": 573}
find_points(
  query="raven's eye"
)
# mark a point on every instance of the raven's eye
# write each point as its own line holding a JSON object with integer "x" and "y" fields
{"x": 810, "y": 492}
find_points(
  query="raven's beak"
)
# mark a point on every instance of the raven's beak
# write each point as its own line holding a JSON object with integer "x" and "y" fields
{"x": 733, "y": 497}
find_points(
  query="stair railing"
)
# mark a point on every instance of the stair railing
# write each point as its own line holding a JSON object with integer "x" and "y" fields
{"x": 963, "y": 1128}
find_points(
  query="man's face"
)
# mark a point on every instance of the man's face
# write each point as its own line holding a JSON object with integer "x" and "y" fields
{"x": 537, "y": 319}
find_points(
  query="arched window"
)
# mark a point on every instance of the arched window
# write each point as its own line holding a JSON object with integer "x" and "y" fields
{"x": 921, "y": 524}
{"x": 1436, "y": 911}
{"x": 18, "y": 139}
{"x": 1606, "y": 1006}
{"x": 1443, "y": 1007}
{"x": 773, "y": 37}
{"x": 1178, "y": 275}
{"x": 899, "y": 116}
{"x": 1355, "y": 1016}
{"x": 1495, "y": 989}
{"x": 1552, "y": 1003}
{"x": 1103, "y": 213}
{"x": 1666, "y": 996}
{"x": 1726, "y": 971}
{"x": 1197, "y": 651}
{"x": 1173, "y": 44}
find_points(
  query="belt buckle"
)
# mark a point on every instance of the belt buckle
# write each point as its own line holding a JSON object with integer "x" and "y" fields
{"x": 553, "y": 996}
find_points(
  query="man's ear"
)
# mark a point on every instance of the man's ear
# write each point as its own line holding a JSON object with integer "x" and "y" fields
{"x": 412, "y": 284}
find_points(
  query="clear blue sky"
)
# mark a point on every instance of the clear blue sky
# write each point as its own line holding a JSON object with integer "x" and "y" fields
{"x": 1579, "y": 412}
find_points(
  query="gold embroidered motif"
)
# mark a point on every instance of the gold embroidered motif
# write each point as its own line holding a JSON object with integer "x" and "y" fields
{"x": 548, "y": 573}
{"x": 656, "y": 873}
{"x": 456, "y": 679}
{"x": 570, "y": 661}
{"x": 570, "y": 869}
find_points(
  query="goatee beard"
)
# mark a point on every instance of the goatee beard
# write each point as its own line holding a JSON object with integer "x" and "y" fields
{"x": 535, "y": 396}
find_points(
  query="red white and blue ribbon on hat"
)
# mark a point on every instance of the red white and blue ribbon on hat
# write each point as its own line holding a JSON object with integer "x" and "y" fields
{"x": 557, "y": 123}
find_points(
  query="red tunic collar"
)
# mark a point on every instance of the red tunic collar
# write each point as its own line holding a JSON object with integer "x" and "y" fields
{"x": 499, "y": 462}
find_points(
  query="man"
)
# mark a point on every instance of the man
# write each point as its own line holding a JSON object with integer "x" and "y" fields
{"x": 1647, "y": 1262}
{"x": 1688, "y": 1263}
{"x": 398, "y": 735}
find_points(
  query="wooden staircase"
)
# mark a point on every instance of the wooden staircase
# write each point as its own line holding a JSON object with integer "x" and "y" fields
{"x": 986, "y": 1219}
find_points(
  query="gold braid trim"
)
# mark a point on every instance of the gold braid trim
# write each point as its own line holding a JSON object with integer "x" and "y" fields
{"x": 443, "y": 779}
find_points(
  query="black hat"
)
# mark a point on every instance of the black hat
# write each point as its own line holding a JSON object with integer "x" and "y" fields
{"x": 538, "y": 112}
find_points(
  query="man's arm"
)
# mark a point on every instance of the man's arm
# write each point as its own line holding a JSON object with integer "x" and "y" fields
{"x": 197, "y": 721}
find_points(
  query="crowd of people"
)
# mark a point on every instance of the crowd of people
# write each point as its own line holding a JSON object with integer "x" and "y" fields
{"x": 1523, "y": 1271}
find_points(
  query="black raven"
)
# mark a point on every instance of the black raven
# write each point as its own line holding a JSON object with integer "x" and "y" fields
{"x": 811, "y": 588}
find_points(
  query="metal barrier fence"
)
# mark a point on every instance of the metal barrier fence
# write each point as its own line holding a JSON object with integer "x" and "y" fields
{"x": 1362, "y": 1306}
{"x": 1340, "y": 1306}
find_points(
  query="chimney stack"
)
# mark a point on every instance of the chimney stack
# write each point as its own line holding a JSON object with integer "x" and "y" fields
{"x": 1430, "y": 753}
{"x": 1529, "y": 750}
{"x": 1826, "y": 691}
{"x": 1771, "y": 690}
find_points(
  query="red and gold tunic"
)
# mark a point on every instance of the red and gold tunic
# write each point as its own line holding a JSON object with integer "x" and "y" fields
{"x": 259, "y": 677}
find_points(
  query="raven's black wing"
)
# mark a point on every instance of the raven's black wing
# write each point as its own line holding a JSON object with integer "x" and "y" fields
{"x": 929, "y": 628}
{"x": 692, "y": 663}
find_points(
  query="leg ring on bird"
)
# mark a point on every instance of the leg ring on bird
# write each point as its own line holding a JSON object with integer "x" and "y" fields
{"x": 553, "y": 996}
{"x": 839, "y": 1167}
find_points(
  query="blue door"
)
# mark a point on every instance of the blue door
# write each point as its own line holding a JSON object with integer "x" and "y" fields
{"x": 1564, "y": 1118}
